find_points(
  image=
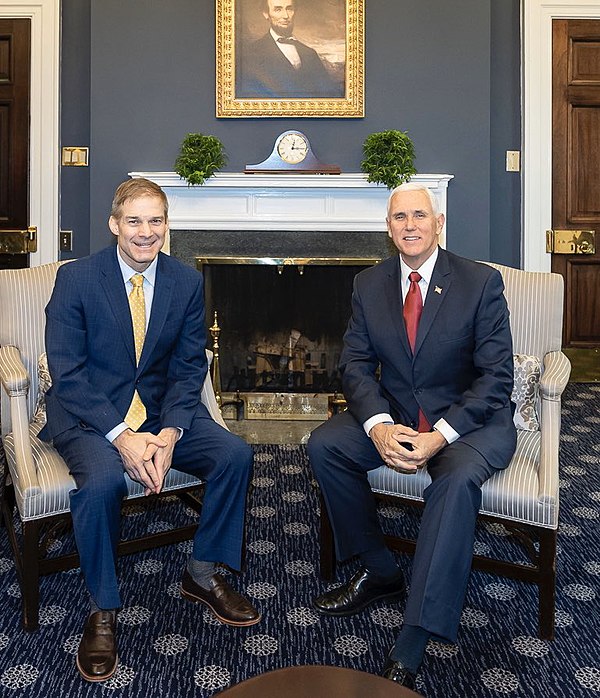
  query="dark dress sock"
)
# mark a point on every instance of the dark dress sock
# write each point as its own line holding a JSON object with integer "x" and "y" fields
{"x": 201, "y": 571}
{"x": 410, "y": 647}
{"x": 380, "y": 562}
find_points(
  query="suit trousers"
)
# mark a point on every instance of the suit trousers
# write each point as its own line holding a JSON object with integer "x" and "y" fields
{"x": 206, "y": 450}
{"x": 341, "y": 455}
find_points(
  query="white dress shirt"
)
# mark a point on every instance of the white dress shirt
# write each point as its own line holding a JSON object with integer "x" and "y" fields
{"x": 149, "y": 275}
{"x": 426, "y": 271}
{"x": 288, "y": 50}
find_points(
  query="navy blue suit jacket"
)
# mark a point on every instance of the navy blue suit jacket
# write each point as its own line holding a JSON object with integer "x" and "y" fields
{"x": 267, "y": 73}
{"x": 91, "y": 353}
{"x": 462, "y": 368}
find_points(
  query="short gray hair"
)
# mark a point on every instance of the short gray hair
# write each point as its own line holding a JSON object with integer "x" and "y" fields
{"x": 414, "y": 186}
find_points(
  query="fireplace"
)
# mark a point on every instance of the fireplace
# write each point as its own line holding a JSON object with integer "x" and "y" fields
{"x": 279, "y": 254}
{"x": 280, "y": 325}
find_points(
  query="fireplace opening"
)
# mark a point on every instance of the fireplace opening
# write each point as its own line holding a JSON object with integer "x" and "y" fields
{"x": 281, "y": 321}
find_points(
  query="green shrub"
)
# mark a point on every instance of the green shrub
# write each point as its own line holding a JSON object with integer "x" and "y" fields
{"x": 388, "y": 158}
{"x": 200, "y": 157}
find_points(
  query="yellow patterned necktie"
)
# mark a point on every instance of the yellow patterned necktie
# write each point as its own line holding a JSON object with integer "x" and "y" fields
{"x": 136, "y": 414}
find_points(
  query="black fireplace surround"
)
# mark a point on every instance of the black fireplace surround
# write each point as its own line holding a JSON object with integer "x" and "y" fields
{"x": 281, "y": 324}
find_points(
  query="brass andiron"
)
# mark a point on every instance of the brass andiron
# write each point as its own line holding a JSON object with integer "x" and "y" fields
{"x": 215, "y": 330}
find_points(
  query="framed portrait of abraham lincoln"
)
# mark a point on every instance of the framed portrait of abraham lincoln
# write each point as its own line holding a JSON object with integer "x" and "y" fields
{"x": 290, "y": 58}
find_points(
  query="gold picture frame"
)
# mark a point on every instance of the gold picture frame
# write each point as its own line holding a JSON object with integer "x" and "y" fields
{"x": 244, "y": 55}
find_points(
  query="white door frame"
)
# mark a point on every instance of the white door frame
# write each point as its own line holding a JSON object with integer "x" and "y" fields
{"x": 44, "y": 141}
{"x": 537, "y": 119}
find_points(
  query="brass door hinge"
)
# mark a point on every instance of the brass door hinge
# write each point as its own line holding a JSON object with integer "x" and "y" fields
{"x": 571, "y": 241}
{"x": 18, "y": 241}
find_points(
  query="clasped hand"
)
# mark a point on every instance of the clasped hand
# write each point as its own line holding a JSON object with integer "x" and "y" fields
{"x": 147, "y": 457}
{"x": 404, "y": 449}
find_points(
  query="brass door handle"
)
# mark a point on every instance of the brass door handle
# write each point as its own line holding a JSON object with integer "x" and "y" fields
{"x": 571, "y": 241}
{"x": 13, "y": 241}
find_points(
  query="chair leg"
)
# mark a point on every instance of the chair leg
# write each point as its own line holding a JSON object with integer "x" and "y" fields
{"x": 547, "y": 584}
{"x": 327, "y": 548}
{"x": 30, "y": 579}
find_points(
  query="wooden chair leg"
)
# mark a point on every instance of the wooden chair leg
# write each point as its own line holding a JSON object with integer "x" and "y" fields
{"x": 327, "y": 548}
{"x": 30, "y": 576}
{"x": 547, "y": 584}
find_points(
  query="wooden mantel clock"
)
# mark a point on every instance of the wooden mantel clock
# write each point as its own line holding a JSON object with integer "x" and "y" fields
{"x": 292, "y": 153}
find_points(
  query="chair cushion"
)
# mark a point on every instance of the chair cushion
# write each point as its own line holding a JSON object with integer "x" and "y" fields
{"x": 512, "y": 493}
{"x": 528, "y": 370}
{"x": 44, "y": 383}
{"x": 55, "y": 482}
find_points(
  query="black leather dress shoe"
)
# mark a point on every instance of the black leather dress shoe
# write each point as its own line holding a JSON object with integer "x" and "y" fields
{"x": 358, "y": 592}
{"x": 396, "y": 671}
{"x": 226, "y": 603}
{"x": 97, "y": 654}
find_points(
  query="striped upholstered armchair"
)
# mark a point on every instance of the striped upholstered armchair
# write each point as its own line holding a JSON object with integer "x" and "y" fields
{"x": 524, "y": 497}
{"x": 37, "y": 481}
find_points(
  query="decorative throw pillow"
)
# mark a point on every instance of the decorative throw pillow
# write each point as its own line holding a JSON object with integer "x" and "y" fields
{"x": 44, "y": 382}
{"x": 528, "y": 370}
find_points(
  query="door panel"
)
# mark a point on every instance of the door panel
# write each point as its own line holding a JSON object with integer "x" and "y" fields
{"x": 576, "y": 171}
{"x": 14, "y": 131}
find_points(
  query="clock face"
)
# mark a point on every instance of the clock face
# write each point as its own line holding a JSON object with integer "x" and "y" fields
{"x": 292, "y": 148}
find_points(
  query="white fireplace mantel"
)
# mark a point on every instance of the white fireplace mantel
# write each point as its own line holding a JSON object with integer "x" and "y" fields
{"x": 233, "y": 201}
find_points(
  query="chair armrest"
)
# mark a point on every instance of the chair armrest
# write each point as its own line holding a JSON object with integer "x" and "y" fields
{"x": 13, "y": 373}
{"x": 15, "y": 381}
{"x": 557, "y": 369}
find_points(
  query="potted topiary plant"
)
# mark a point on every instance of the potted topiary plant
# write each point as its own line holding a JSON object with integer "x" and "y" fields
{"x": 388, "y": 158}
{"x": 200, "y": 157}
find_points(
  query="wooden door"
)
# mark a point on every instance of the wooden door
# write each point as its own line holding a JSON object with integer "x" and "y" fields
{"x": 576, "y": 172}
{"x": 15, "y": 72}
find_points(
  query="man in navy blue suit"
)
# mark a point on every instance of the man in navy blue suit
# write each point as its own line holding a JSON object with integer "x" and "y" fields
{"x": 427, "y": 373}
{"x": 98, "y": 379}
{"x": 279, "y": 66}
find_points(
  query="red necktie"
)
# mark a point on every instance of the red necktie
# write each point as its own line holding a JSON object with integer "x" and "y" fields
{"x": 413, "y": 307}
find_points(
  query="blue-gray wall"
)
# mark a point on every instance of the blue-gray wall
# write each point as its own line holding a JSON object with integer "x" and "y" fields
{"x": 139, "y": 75}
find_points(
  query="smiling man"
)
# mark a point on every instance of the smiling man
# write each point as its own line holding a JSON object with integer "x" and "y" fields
{"x": 279, "y": 65}
{"x": 427, "y": 372}
{"x": 125, "y": 339}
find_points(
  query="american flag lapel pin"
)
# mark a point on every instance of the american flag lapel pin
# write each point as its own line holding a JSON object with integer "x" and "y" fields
{"x": 437, "y": 289}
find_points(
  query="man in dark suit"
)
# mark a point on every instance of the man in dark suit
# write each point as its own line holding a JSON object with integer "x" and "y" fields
{"x": 426, "y": 384}
{"x": 278, "y": 66}
{"x": 125, "y": 339}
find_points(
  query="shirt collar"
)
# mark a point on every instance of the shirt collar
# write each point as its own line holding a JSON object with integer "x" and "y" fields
{"x": 149, "y": 274}
{"x": 276, "y": 36}
{"x": 425, "y": 270}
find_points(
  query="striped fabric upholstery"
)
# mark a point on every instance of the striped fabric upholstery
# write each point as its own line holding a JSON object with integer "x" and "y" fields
{"x": 527, "y": 491}
{"x": 40, "y": 477}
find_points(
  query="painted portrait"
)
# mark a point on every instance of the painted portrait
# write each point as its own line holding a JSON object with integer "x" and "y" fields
{"x": 289, "y": 57}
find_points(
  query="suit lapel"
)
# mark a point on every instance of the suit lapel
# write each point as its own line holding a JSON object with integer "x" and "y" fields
{"x": 111, "y": 281}
{"x": 161, "y": 303}
{"x": 440, "y": 283}
{"x": 393, "y": 293}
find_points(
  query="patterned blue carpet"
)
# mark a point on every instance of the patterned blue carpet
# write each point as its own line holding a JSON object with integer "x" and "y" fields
{"x": 170, "y": 647}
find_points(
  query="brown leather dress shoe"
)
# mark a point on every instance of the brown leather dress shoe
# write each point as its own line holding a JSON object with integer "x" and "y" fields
{"x": 227, "y": 604}
{"x": 97, "y": 654}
